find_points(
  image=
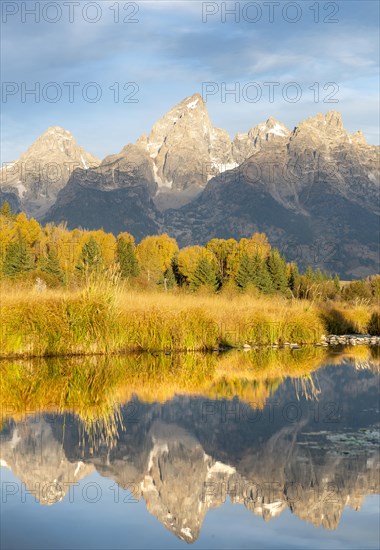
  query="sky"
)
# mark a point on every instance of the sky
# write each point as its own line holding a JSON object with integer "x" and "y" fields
{"x": 108, "y": 70}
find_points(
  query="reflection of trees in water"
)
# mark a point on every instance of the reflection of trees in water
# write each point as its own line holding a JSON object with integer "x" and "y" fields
{"x": 91, "y": 387}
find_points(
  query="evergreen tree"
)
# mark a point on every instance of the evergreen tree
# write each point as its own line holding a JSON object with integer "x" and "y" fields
{"x": 253, "y": 271}
{"x": 262, "y": 278}
{"x": 167, "y": 280}
{"x": 125, "y": 256}
{"x": 319, "y": 276}
{"x": 51, "y": 265}
{"x": 6, "y": 210}
{"x": 294, "y": 279}
{"x": 337, "y": 282}
{"x": 245, "y": 274}
{"x": 204, "y": 275}
{"x": 309, "y": 274}
{"x": 180, "y": 279}
{"x": 277, "y": 271}
{"x": 91, "y": 257}
{"x": 18, "y": 258}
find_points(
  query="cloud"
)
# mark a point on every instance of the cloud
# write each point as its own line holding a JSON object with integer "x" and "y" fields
{"x": 170, "y": 52}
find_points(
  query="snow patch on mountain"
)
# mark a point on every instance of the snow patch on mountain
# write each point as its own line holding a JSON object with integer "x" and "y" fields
{"x": 192, "y": 104}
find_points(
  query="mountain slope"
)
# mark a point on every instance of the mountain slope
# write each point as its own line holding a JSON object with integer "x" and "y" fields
{"x": 116, "y": 196}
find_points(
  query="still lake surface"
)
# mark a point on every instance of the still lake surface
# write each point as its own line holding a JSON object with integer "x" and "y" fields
{"x": 242, "y": 450}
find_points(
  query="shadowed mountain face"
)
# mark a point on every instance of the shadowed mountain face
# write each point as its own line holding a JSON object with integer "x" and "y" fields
{"x": 324, "y": 228}
{"x": 186, "y": 456}
{"x": 118, "y": 193}
{"x": 11, "y": 198}
{"x": 313, "y": 188}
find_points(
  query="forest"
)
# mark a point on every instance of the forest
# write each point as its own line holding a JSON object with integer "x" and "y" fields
{"x": 78, "y": 292}
{"x": 58, "y": 257}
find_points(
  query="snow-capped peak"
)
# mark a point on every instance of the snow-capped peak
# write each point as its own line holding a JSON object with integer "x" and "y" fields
{"x": 192, "y": 104}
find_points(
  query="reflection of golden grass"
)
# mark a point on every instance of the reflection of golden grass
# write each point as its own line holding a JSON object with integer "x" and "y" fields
{"x": 92, "y": 387}
{"x": 253, "y": 392}
{"x": 272, "y": 363}
{"x": 256, "y": 374}
{"x": 361, "y": 357}
{"x": 57, "y": 386}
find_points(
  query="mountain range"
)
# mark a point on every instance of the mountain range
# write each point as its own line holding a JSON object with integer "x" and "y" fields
{"x": 313, "y": 190}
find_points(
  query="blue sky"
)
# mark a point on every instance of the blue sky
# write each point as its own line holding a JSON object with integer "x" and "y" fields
{"x": 170, "y": 52}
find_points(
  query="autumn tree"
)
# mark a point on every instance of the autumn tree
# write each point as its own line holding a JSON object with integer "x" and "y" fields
{"x": 258, "y": 244}
{"x": 6, "y": 234}
{"x": 155, "y": 255}
{"x": 191, "y": 266}
{"x": 222, "y": 250}
{"x": 6, "y": 210}
{"x": 107, "y": 244}
{"x": 29, "y": 229}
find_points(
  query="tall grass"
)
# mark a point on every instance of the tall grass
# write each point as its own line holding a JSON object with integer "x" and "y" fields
{"x": 344, "y": 318}
{"x": 107, "y": 319}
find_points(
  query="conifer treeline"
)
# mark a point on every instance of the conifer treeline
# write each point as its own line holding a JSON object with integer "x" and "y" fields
{"x": 62, "y": 257}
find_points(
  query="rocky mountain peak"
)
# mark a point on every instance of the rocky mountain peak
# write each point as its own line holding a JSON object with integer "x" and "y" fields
{"x": 193, "y": 102}
{"x": 321, "y": 131}
{"x": 58, "y": 130}
{"x": 299, "y": 178}
{"x": 326, "y": 125}
{"x": 45, "y": 168}
{"x": 334, "y": 118}
{"x": 266, "y": 133}
{"x": 358, "y": 138}
{"x": 186, "y": 149}
{"x": 54, "y": 140}
{"x": 190, "y": 114}
{"x": 271, "y": 127}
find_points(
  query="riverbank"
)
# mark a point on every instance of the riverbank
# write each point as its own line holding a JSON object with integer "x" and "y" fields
{"x": 105, "y": 320}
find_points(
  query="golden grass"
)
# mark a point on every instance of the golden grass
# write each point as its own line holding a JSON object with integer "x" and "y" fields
{"x": 107, "y": 319}
{"x": 101, "y": 320}
{"x": 343, "y": 318}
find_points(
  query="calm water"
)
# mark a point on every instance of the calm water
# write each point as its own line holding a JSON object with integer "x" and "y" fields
{"x": 255, "y": 455}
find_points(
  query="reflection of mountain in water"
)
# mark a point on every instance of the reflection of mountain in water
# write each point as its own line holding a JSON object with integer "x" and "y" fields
{"x": 189, "y": 454}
